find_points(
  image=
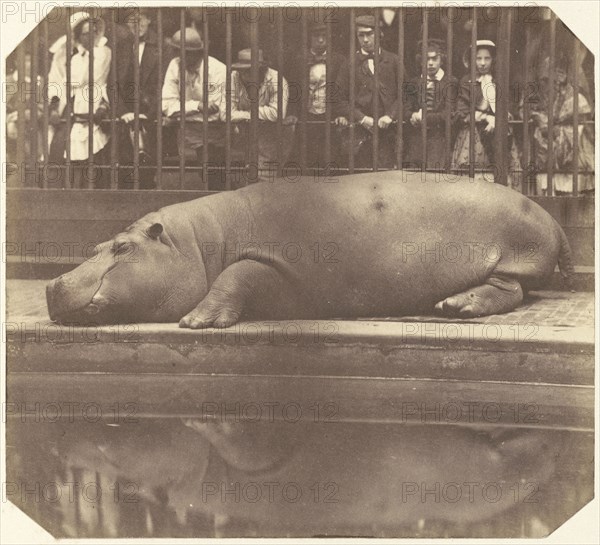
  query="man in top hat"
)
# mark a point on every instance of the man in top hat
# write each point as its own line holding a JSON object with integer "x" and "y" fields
{"x": 241, "y": 80}
{"x": 430, "y": 101}
{"x": 364, "y": 92}
{"x": 320, "y": 94}
{"x": 145, "y": 56}
{"x": 193, "y": 101}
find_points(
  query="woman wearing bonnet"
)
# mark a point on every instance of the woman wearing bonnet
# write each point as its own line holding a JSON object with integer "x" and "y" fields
{"x": 484, "y": 96}
{"x": 87, "y": 32}
{"x": 562, "y": 132}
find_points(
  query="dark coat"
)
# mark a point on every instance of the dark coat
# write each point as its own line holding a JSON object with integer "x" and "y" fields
{"x": 445, "y": 94}
{"x": 464, "y": 100}
{"x": 150, "y": 85}
{"x": 473, "y": 93}
{"x": 365, "y": 88}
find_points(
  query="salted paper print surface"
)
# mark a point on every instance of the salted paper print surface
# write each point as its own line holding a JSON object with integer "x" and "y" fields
{"x": 298, "y": 271}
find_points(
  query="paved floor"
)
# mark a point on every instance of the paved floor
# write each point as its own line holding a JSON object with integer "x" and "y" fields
{"x": 26, "y": 300}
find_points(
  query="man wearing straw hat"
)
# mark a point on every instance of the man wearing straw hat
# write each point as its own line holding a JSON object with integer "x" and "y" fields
{"x": 363, "y": 114}
{"x": 268, "y": 136}
{"x": 193, "y": 99}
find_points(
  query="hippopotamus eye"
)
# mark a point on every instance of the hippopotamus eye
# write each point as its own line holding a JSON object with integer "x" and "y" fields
{"x": 120, "y": 247}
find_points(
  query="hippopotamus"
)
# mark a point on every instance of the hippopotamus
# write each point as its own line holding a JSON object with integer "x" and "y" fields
{"x": 381, "y": 244}
{"x": 377, "y": 244}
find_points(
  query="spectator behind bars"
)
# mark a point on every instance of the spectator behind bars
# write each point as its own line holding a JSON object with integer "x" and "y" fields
{"x": 13, "y": 97}
{"x": 149, "y": 87}
{"x": 562, "y": 131}
{"x": 193, "y": 100}
{"x": 483, "y": 94}
{"x": 364, "y": 91}
{"x": 441, "y": 92}
{"x": 268, "y": 138}
{"x": 87, "y": 33}
{"x": 320, "y": 95}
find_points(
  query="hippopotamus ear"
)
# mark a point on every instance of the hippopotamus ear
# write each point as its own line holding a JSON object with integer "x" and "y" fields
{"x": 155, "y": 230}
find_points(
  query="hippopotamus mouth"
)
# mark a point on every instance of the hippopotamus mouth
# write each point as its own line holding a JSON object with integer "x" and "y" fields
{"x": 73, "y": 298}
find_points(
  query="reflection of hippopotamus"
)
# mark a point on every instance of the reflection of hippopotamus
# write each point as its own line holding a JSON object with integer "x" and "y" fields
{"x": 364, "y": 245}
{"x": 322, "y": 479}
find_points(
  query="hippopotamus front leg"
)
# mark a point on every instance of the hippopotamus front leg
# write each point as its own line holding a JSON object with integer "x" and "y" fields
{"x": 499, "y": 294}
{"x": 246, "y": 287}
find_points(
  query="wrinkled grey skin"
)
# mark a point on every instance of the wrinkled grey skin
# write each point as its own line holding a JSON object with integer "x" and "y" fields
{"x": 364, "y": 245}
{"x": 370, "y": 261}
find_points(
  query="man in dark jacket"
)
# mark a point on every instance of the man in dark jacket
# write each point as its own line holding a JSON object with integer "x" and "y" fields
{"x": 149, "y": 89}
{"x": 364, "y": 93}
{"x": 320, "y": 95}
{"x": 440, "y": 92}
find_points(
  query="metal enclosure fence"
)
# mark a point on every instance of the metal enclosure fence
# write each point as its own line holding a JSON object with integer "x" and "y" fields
{"x": 519, "y": 49}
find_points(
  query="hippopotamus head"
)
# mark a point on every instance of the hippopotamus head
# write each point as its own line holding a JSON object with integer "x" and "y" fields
{"x": 140, "y": 275}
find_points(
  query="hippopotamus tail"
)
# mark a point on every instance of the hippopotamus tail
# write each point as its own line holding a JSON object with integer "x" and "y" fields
{"x": 565, "y": 259}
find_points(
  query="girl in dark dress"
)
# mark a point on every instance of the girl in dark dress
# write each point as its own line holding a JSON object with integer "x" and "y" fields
{"x": 483, "y": 94}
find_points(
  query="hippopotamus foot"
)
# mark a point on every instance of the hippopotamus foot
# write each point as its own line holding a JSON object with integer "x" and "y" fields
{"x": 248, "y": 446}
{"x": 245, "y": 287}
{"x": 496, "y": 296}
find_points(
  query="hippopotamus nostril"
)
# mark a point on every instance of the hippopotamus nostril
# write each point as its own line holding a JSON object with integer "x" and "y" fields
{"x": 92, "y": 309}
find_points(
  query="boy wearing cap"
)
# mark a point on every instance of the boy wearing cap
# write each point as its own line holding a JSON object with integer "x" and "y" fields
{"x": 441, "y": 91}
{"x": 364, "y": 86}
{"x": 241, "y": 80}
{"x": 193, "y": 100}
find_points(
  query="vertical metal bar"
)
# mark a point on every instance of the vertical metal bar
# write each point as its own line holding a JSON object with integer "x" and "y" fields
{"x": 68, "y": 107}
{"x": 254, "y": 89}
{"x": 77, "y": 481}
{"x": 21, "y": 109}
{"x": 182, "y": 76}
{"x": 100, "y": 507}
{"x": 525, "y": 186}
{"x": 352, "y": 95}
{"x": 502, "y": 152}
{"x": 45, "y": 112}
{"x": 228, "y": 40}
{"x": 472, "y": 101}
{"x": 136, "y": 103}
{"x": 425, "y": 39}
{"x": 304, "y": 92}
{"x": 159, "y": 67}
{"x": 575, "y": 84}
{"x": 400, "y": 125}
{"x": 450, "y": 92}
{"x": 279, "y": 89}
{"x": 114, "y": 167}
{"x": 377, "y": 13}
{"x": 328, "y": 84}
{"x": 551, "y": 100}
{"x": 91, "y": 97}
{"x": 205, "y": 93}
{"x": 33, "y": 115}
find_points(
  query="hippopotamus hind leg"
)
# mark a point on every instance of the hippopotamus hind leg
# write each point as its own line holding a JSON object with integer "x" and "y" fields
{"x": 499, "y": 294}
{"x": 245, "y": 287}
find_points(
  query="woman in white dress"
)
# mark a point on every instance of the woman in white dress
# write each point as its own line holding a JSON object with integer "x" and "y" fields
{"x": 87, "y": 33}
